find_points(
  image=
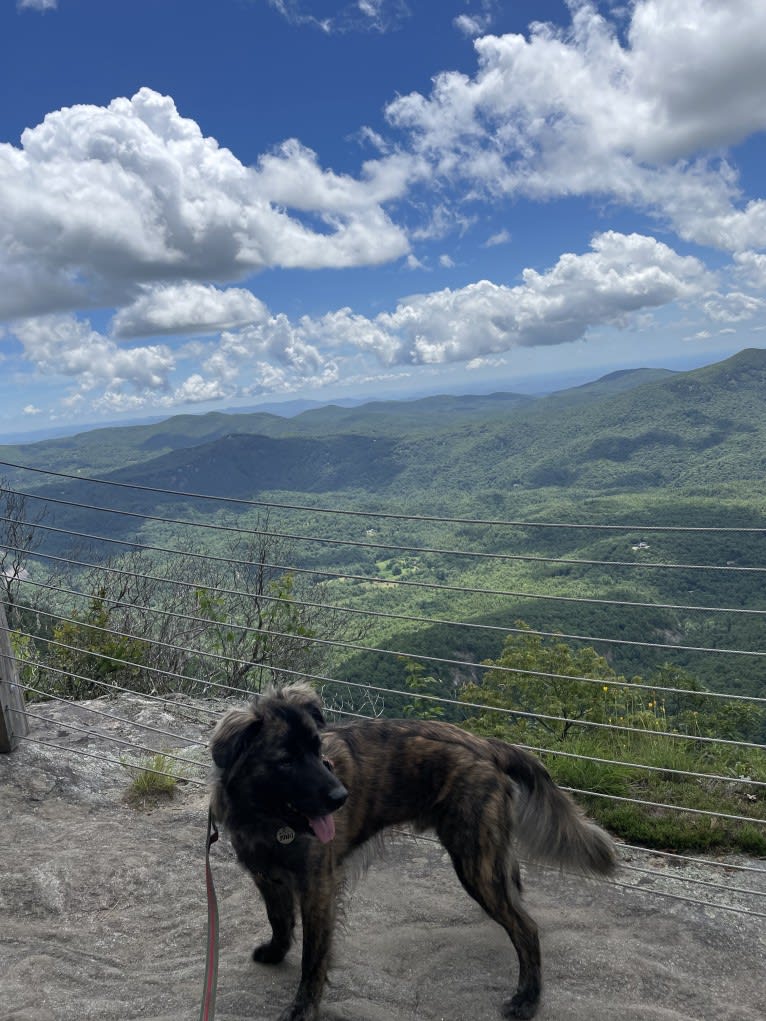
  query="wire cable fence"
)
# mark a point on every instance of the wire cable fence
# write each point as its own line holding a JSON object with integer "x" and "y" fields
{"x": 188, "y": 626}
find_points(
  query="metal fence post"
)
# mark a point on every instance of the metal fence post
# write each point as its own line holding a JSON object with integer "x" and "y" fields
{"x": 13, "y": 723}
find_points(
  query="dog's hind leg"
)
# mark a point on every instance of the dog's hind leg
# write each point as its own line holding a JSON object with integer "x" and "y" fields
{"x": 280, "y": 907}
{"x": 482, "y": 867}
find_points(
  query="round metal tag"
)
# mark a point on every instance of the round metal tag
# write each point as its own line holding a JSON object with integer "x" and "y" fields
{"x": 286, "y": 835}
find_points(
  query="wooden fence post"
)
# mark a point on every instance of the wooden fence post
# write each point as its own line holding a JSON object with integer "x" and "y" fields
{"x": 13, "y": 723}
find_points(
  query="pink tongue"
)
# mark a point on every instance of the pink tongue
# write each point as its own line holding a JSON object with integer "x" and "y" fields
{"x": 324, "y": 828}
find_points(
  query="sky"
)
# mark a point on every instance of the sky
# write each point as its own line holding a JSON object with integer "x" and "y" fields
{"x": 212, "y": 204}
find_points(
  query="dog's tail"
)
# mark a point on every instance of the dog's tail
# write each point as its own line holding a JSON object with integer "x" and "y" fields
{"x": 549, "y": 826}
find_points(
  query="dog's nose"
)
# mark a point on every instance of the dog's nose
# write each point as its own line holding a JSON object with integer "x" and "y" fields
{"x": 337, "y": 797}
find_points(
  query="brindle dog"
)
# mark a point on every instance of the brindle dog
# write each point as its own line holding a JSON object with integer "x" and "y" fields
{"x": 297, "y": 797}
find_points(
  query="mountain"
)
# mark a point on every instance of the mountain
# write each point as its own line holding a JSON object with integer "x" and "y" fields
{"x": 97, "y": 450}
{"x": 612, "y": 384}
{"x": 628, "y": 432}
{"x": 638, "y": 431}
{"x": 662, "y": 448}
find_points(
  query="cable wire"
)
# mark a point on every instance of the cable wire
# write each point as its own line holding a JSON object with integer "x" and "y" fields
{"x": 642, "y": 765}
{"x": 110, "y": 737}
{"x": 370, "y": 579}
{"x": 696, "y": 861}
{"x": 111, "y": 716}
{"x": 115, "y": 762}
{"x": 695, "y": 882}
{"x": 358, "y": 544}
{"x": 387, "y": 514}
{"x": 110, "y": 686}
{"x": 389, "y": 691}
{"x": 609, "y": 882}
{"x": 616, "y": 682}
{"x": 534, "y": 748}
{"x": 660, "y": 804}
{"x": 541, "y": 633}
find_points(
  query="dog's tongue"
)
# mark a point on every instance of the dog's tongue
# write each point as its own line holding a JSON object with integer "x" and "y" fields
{"x": 323, "y": 827}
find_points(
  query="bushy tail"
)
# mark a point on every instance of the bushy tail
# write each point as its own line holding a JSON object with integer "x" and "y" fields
{"x": 549, "y": 826}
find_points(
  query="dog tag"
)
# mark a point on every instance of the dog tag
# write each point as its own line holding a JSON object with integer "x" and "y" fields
{"x": 286, "y": 835}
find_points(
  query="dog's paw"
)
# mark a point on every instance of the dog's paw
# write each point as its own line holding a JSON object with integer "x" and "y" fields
{"x": 521, "y": 1006}
{"x": 270, "y": 953}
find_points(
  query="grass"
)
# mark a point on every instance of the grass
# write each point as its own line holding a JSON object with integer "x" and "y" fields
{"x": 667, "y": 828}
{"x": 153, "y": 782}
{"x": 667, "y": 783}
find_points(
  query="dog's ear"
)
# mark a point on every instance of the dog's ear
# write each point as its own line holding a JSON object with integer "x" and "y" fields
{"x": 232, "y": 734}
{"x": 304, "y": 696}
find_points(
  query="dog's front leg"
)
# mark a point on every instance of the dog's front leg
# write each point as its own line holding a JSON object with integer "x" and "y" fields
{"x": 318, "y": 915}
{"x": 279, "y": 898}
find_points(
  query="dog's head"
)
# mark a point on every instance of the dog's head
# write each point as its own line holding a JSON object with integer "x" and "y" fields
{"x": 270, "y": 763}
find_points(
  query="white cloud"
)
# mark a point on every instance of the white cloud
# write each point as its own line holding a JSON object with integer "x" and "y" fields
{"x": 31, "y": 409}
{"x": 187, "y": 308}
{"x": 576, "y": 112}
{"x": 100, "y": 200}
{"x": 734, "y": 307}
{"x": 195, "y": 390}
{"x": 357, "y": 15}
{"x": 501, "y": 238}
{"x": 483, "y": 363}
{"x": 37, "y": 5}
{"x": 622, "y": 275}
{"x": 61, "y": 345}
{"x": 275, "y": 349}
{"x": 472, "y": 25}
{"x": 620, "y": 279}
{"x": 751, "y": 266}
{"x": 477, "y": 22}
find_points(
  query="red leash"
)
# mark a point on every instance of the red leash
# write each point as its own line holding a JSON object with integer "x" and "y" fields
{"x": 207, "y": 1011}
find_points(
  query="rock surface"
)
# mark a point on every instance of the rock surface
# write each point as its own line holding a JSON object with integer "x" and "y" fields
{"x": 102, "y": 910}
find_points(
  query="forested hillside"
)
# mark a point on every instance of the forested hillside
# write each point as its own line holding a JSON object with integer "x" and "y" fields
{"x": 566, "y": 540}
{"x": 629, "y": 431}
{"x": 644, "y": 448}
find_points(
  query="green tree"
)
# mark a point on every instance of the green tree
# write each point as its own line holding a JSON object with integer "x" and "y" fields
{"x": 421, "y": 683}
{"x": 89, "y": 651}
{"x": 542, "y": 677}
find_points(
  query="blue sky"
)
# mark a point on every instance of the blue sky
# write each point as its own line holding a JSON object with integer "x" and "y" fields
{"x": 208, "y": 204}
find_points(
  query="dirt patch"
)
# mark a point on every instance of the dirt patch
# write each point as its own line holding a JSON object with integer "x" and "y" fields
{"x": 102, "y": 913}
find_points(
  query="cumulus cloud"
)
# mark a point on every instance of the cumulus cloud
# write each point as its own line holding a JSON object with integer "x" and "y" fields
{"x": 622, "y": 275}
{"x": 187, "y": 308}
{"x": 576, "y": 111}
{"x": 195, "y": 389}
{"x": 734, "y": 307}
{"x": 620, "y": 278}
{"x": 100, "y": 200}
{"x": 277, "y": 349}
{"x": 61, "y": 345}
{"x": 751, "y": 266}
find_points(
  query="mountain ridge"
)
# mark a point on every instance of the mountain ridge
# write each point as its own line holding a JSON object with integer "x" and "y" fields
{"x": 636, "y": 429}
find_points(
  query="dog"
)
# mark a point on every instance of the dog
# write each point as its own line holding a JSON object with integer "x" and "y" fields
{"x": 298, "y": 796}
